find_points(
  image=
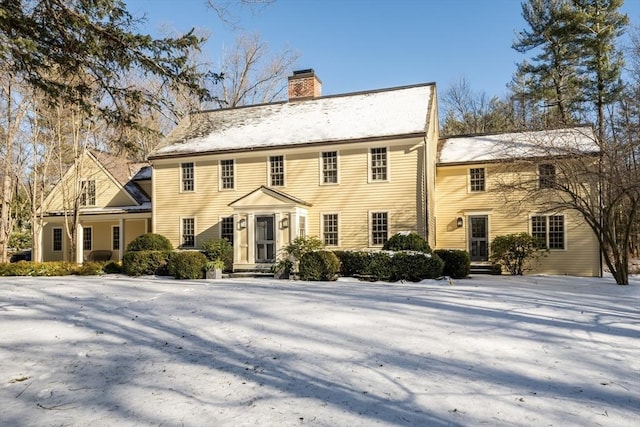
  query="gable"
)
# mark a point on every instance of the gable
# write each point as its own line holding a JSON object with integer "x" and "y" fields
{"x": 264, "y": 197}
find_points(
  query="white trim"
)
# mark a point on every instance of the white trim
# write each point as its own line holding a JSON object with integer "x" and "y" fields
{"x": 486, "y": 187}
{"x": 233, "y": 225}
{"x": 370, "y": 227}
{"x": 338, "y": 220}
{"x": 321, "y": 167}
{"x": 84, "y": 228}
{"x": 181, "y": 235}
{"x": 546, "y": 216}
{"x": 235, "y": 180}
{"x": 119, "y": 237}
{"x": 61, "y": 239}
{"x": 370, "y": 179}
{"x": 284, "y": 170}
{"x": 180, "y": 180}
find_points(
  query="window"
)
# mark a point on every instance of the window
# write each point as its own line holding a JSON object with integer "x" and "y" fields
{"x": 57, "y": 239}
{"x": 330, "y": 167}
{"x": 88, "y": 193}
{"x": 115, "y": 237}
{"x": 549, "y": 230}
{"x": 87, "y": 238}
{"x": 187, "y": 173}
{"x": 330, "y": 229}
{"x": 302, "y": 222}
{"x": 378, "y": 164}
{"x": 276, "y": 171}
{"x": 226, "y": 229}
{"x": 546, "y": 176}
{"x": 476, "y": 179}
{"x": 188, "y": 233}
{"x": 227, "y": 173}
{"x": 379, "y": 228}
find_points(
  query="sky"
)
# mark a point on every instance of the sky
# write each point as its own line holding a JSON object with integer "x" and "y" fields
{"x": 356, "y": 45}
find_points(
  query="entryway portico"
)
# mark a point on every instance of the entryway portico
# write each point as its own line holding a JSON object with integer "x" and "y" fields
{"x": 265, "y": 220}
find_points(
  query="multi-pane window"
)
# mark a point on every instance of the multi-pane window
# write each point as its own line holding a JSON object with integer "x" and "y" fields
{"x": 330, "y": 229}
{"x": 187, "y": 176}
{"x": 379, "y": 228}
{"x": 549, "y": 230}
{"x": 115, "y": 237}
{"x": 302, "y": 226}
{"x": 87, "y": 238}
{"x": 57, "y": 239}
{"x": 88, "y": 193}
{"x": 476, "y": 179}
{"x": 276, "y": 170}
{"x": 227, "y": 174}
{"x": 330, "y": 167}
{"x": 226, "y": 229}
{"x": 378, "y": 164}
{"x": 546, "y": 176}
{"x": 188, "y": 232}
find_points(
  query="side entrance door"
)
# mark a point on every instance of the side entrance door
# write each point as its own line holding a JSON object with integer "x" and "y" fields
{"x": 478, "y": 238}
{"x": 265, "y": 238}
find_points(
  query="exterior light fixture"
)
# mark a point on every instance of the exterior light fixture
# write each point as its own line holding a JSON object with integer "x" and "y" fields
{"x": 242, "y": 223}
{"x": 459, "y": 222}
{"x": 284, "y": 223}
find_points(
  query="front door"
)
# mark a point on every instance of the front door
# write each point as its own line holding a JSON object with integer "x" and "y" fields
{"x": 265, "y": 239}
{"x": 478, "y": 238}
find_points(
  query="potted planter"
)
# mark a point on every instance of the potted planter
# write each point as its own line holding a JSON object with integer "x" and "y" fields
{"x": 213, "y": 269}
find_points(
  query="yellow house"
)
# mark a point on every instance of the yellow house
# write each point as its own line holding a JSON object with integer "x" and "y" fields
{"x": 111, "y": 196}
{"x": 351, "y": 169}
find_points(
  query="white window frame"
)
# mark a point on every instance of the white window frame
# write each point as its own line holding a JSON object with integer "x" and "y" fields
{"x": 321, "y": 167}
{"x": 370, "y": 165}
{"x": 195, "y": 237}
{"x": 84, "y": 233}
{"x": 370, "y": 231}
{"x": 53, "y": 239}
{"x": 220, "y": 174}
{"x": 484, "y": 181}
{"x": 113, "y": 228}
{"x": 303, "y": 219}
{"x": 547, "y": 230}
{"x": 84, "y": 195}
{"x": 322, "y": 228}
{"x": 193, "y": 178}
{"x": 221, "y": 220}
{"x": 284, "y": 171}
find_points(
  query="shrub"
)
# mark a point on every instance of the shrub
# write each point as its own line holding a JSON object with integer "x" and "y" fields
{"x": 90, "y": 268}
{"x": 293, "y": 253}
{"x": 353, "y": 262}
{"x": 112, "y": 267}
{"x": 457, "y": 263}
{"x": 380, "y": 265}
{"x": 407, "y": 242}
{"x": 27, "y": 268}
{"x": 515, "y": 252}
{"x": 20, "y": 241}
{"x": 319, "y": 265}
{"x": 219, "y": 249}
{"x": 139, "y": 263}
{"x": 415, "y": 266}
{"x": 150, "y": 242}
{"x": 187, "y": 265}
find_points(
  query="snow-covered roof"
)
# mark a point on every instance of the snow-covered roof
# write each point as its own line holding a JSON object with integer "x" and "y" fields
{"x": 517, "y": 145}
{"x": 381, "y": 113}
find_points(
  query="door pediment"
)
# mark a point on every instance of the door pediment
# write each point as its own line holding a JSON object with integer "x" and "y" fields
{"x": 264, "y": 197}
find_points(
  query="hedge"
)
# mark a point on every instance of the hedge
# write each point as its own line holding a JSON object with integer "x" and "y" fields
{"x": 457, "y": 263}
{"x": 187, "y": 265}
{"x": 391, "y": 266}
{"x": 407, "y": 242}
{"x": 319, "y": 265}
{"x": 139, "y": 263}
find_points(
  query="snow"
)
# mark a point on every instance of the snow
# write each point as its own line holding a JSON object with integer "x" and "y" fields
{"x": 390, "y": 112}
{"x": 499, "y": 351}
{"x": 479, "y": 148}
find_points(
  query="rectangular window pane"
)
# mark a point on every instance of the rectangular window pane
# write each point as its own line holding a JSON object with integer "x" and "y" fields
{"x": 187, "y": 176}
{"x": 476, "y": 179}
{"x": 226, "y": 174}
{"x": 226, "y": 231}
{"x": 57, "y": 239}
{"x": 188, "y": 232}
{"x": 330, "y": 167}
{"x": 276, "y": 170}
{"x": 546, "y": 176}
{"x": 539, "y": 229}
{"x": 88, "y": 193}
{"x": 379, "y": 228}
{"x": 330, "y": 229}
{"x": 378, "y": 164}
{"x": 556, "y": 232}
{"x": 303, "y": 226}
{"x": 86, "y": 238}
{"x": 115, "y": 238}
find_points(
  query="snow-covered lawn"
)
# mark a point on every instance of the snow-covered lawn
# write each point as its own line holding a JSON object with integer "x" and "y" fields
{"x": 495, "y": 351}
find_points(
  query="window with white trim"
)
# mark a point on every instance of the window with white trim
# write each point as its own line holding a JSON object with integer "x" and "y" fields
{"x": 87, "y": 238}
{"x": 188, "y": 232}
{"x": 302, "y": 226}
{"x": 330, "y": 229}
{"x": 115, "y": 237}
{"x": 227, "y": 174}
{"x": 57, "y": 239}
{"x": 88, "y": 192}
{"x": 276, "y": 171}
{"x": 329, "y": 167}
{"x": 226, "y": 229}
{"x": 477, "y": 179}
{"x": 379, "y": 228}
{"x": 187, "y": 174}
{"x": 549, "y": 230}
{"x": 546, "y": 176}
{"x": 379, "y": 163}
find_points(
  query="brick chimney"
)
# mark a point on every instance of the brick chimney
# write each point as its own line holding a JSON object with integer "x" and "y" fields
{"x": 304, "y": 84}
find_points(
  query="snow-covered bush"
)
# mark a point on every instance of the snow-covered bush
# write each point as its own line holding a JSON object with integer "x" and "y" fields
{"x": 389, "y": 265}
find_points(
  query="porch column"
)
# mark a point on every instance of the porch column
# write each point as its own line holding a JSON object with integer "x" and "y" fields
{"x": 251, "y": 238}
{"x": 121, "y": 239}
{"x": 79, "y": 247}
